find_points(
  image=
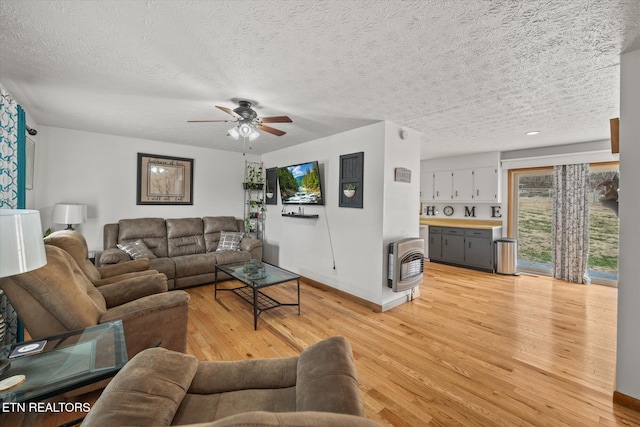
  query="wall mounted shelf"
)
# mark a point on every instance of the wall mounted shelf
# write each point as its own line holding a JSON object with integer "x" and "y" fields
{"x": 300, "y": 216}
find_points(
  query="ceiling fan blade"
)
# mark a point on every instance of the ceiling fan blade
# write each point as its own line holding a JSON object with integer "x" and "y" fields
{"x": 276, "y": 119}
{"x": 230, "y": 111}
{"x": 271, "y": 130}
{"x": 209, "y": 121}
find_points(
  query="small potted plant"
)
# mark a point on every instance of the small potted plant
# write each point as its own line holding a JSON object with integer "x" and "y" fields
{"x": 349, "y": 190}
{"x": 269, "y": 191}
{"x": 254, "y": 178}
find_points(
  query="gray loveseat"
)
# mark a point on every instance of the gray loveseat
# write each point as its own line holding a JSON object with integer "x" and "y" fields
{"x": 185, "y": 249}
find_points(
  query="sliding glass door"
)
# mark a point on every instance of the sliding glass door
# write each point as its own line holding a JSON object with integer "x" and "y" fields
{"x": 530, "y": 220}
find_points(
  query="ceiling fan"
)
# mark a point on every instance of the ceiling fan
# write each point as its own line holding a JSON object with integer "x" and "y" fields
{"x": 248, "y": 121}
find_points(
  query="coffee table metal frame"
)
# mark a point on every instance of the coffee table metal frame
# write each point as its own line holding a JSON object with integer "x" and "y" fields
{"x": 256, "y": 275}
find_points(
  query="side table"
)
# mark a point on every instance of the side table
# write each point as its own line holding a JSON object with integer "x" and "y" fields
{"x": 68, "y": 361}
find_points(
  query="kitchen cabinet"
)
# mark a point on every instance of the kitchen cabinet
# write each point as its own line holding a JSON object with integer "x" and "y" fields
{"x": 435, "y": 243}
{"x": 465, "y": 247}
{"x": 462, "y": 185}
{"x": 486, "y": 185}
{"x": 442, "y": 186}
{"x": 478, "y": 249}
{"x": 453, "y": 245}
{"x": 426, "y": 186}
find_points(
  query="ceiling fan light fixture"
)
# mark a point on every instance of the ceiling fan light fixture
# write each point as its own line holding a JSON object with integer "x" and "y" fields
{"x": 245, "y": 130}
{"x": 254, "y": 135}
{"x": 233, "y": 133}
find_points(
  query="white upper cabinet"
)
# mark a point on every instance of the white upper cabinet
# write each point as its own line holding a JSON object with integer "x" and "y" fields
{"x": 426, "y": 186}
{"x": 486, "y": 185}
{"x": 463, "y": 185}
{"x": 442, "y": 186}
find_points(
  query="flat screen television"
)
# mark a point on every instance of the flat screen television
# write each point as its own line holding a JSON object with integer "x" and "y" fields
{"x": 300, "y": 184}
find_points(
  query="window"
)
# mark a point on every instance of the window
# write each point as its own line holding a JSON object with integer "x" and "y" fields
{"x": 530, "y": 220}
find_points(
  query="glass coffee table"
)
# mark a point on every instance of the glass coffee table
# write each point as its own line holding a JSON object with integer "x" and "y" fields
{"x": 256, "y": 275}
{"x": 66, "y": 362}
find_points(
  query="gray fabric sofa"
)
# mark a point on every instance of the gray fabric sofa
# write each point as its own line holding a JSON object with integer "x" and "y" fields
{"x": 185, "y": 249}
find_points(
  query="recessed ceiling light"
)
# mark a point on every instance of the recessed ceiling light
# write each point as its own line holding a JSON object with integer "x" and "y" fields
{"x": 533, "y": 132}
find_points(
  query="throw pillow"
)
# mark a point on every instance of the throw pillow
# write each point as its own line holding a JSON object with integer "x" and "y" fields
{"x": 229, "y": 241}
{"x": 137, "y": 250}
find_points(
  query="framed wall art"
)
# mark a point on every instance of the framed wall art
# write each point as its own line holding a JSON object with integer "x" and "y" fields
{"x": 164, "y": 180}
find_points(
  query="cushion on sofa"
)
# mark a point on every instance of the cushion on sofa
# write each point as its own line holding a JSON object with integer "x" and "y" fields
{"x": 152, "y": 231}
{"x": 229, "y": 241}
{"x": 136, "y": 250}
{"x": 213, "y": 225}
{"x": 185, "y": 236}
{"x": 194, "y": 265}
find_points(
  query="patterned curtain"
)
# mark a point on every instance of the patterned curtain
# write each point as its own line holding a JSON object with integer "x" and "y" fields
{"x": 11, "y": 192}
{"x": 570, "y": 223}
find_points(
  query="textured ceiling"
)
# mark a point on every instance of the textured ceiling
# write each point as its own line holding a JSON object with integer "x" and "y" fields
{"x": 470, "y": 76}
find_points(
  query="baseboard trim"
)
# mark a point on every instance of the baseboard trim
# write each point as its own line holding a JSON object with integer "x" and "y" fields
{"x": 626, "y": 401}
{"x": 375, "y": 307}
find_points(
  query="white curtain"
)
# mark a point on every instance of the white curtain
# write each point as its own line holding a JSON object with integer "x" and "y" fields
{"x": 570, "y": 223}
{"x": 8, "y": 188}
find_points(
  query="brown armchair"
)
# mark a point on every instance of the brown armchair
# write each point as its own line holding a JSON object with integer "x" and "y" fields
{"x": 160, "y": 388}
{"x": 75, "y": 245}
{"x": 59, "y": 297}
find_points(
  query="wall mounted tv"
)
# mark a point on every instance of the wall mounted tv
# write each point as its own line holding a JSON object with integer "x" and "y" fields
{"x": 300, "y": 184}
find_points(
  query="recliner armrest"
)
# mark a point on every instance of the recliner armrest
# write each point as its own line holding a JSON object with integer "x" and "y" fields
{"x": 145, "y": 306}
{"x": 113, "y": 256}
{"x": 125, "y": 291}
{"x": 249, "y": 243}
{"x": 107, "y": 271}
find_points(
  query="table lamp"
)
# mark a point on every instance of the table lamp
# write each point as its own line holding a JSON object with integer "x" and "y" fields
{"x": 21, "y": 249}
{"x": 69, "y": 213}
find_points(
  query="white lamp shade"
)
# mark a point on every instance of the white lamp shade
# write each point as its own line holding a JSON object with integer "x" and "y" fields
{"x": 69, "y": 213}
{"x": 21, "y": 244}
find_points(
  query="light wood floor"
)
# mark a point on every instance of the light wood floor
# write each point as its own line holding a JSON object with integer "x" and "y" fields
{"x": 474, "y": 349}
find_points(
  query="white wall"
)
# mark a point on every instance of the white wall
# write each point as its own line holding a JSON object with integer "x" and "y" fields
{"x": 101, "y": 171}
{"x": 358, "y": 236}
{"x": 401, "y": 200}
{"x": 628, "y": 354}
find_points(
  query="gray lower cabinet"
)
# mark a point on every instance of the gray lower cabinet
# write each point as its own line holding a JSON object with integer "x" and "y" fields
{"x": 453, "y": 245}
{"x": 435, "y": 243}
{"x": 466, "y": 247}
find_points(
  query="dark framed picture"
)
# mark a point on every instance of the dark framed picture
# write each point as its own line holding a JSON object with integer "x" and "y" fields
{"x": 164, "y": 180}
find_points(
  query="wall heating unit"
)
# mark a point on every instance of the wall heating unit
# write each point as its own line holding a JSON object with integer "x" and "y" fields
{"x": 406, "y": 264}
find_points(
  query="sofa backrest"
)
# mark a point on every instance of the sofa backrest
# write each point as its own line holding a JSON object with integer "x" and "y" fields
{"x": 213, "y": 225}
{"x": 172, "y": 237}
{"x": 185, "y": 236}
{"x": 152, "y": 231}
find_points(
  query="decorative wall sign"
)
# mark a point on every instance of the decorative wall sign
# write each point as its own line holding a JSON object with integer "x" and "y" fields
{"x": 351, "y": 180}
{"x": 403, "y": 175}
{"x": 271, "y": 192}
{"x": 164, "y": 180}
{"x": 495, "y": 212}
{"x": 470, "y": 211}
{"x": 448, "y": 210}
